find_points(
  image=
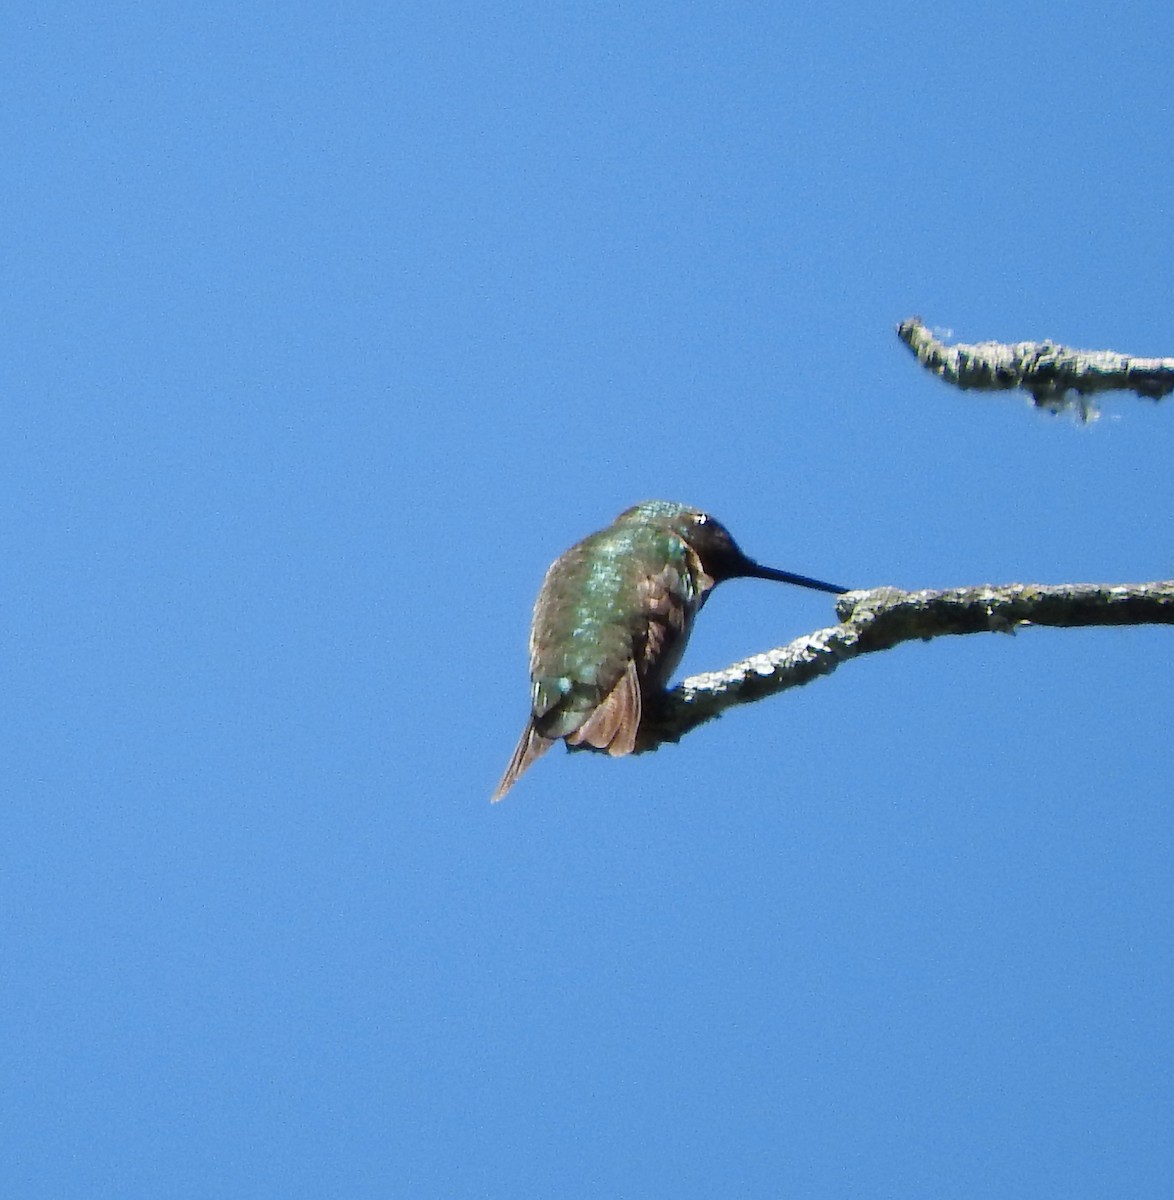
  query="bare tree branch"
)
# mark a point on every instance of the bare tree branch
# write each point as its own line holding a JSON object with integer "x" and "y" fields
{"x": 1057, "y": 377}
{"x": 884, "y": 617}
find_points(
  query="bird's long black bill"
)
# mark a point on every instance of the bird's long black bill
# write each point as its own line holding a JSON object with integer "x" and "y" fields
{"x": 758, "y": 571}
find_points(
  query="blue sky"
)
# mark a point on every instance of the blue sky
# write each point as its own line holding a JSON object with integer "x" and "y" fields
{"x": 324, "y": 332}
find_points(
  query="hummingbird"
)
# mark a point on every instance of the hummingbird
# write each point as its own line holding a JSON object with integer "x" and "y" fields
{"x": 611, "y": 622}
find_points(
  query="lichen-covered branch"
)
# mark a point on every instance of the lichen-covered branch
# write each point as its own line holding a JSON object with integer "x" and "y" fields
{"x": 1057, "y": 377}
{"x": 884, "y": 617}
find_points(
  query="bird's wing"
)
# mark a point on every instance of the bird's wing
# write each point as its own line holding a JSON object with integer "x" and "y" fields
{"x": 613, "y": 723}
{"x": 668, "y": 603}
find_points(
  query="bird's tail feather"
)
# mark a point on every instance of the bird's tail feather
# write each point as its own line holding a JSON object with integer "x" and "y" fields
{"x": 532, "y": 745}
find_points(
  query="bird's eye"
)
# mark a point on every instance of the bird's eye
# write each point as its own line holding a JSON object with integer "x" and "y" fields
{"x": 701, "y": 519}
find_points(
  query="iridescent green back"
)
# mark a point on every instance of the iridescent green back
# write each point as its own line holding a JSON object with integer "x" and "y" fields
{"x": 593, "y": 615}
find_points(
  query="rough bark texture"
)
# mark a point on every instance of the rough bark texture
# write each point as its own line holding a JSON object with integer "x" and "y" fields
{"x": 1057, "y": 377}
{"x": 884, "y": 617}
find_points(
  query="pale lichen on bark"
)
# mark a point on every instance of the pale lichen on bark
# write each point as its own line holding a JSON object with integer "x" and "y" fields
{"x": 882, "y": 618}
{"x": 1057, "y": 377}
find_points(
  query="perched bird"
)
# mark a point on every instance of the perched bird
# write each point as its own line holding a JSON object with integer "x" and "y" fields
{"x": 611, "y": 622}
